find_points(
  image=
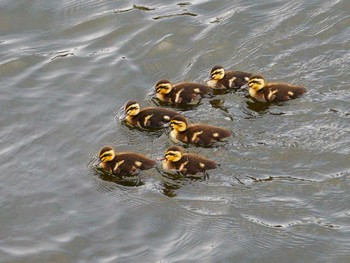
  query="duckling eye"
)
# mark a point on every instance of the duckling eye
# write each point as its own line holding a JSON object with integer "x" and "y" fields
{"x": 161, "y": 87}
{"x": 175, "y": 123}
{"x": 103, "y": 156}
{"x": 132, "y": 108}
{"x": 254, "y": 81}
{"x": 216, "y": 72}
{"x": 171, "y": 155}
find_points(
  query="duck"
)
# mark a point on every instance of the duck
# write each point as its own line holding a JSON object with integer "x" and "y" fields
{"x": 147, "y": 118}
{"x": 262, "y": 91}
{"x": 221, "y": 79}
{"x": 177, "y": 161}
{"x": 198, "y": 134}
{"x": 181, "y": 93}
{"x": 123, "y": 163}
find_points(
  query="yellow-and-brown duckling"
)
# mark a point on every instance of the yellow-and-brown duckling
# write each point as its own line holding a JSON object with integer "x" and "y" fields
{"x": 221, "y": 79}
{"x": 198, "y": 134}
{"x": 147, "y": 118}
{"x": 175, "y": 160}
{"x": 262, "y": 91}
{"x": 181, "y": 93}
{"x": 123, "y": 163}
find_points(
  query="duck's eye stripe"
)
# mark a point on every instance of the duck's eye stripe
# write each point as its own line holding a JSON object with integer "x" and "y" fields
{"x": 132, "y": 108}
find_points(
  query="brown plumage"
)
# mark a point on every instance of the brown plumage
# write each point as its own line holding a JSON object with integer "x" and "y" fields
{"x": 198, "y": 134}
{"x": 262, "y": 91}
{"x": 147, "y": 118}
{"x": 221, "y": 79}
{"x": 182, "y": 93}
{"x": 185, "y": 163}
{"x": 123, "y": 163}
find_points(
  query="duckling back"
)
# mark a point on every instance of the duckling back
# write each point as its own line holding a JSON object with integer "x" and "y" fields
{"x": 278, "y": 92}
{"x": 152, "y": 118}
{"x": 206, "y": 135}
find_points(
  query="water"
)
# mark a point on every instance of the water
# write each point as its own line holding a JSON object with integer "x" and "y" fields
{"x": 281, "y": 193}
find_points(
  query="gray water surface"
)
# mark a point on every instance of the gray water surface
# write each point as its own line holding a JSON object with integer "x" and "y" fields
{"x": 282, "y": 192}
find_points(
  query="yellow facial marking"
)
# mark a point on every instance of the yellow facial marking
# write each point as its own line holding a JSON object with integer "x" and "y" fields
{"x": 196, "y": 90}
{"x": 163, "y": 88}
{"x": 107, "y": 156}
{"x": 202, "y": 165}
{"x": 138, "y": 163}
{"x": 218, "y": 74}
{"x": 133, "y": 110}
{"x": 178, "y": 125}
{"x": 256, "y": 83}
{"x": 173, "y": 156}
{"x": 290, "y": 93}
{"x": 215, "y": 134}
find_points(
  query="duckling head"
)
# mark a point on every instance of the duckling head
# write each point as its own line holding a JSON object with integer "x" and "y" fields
{"x": 174, "y": 153}
{"x": 132, "y": 108}
{"x": 217, "y": 72}
{"x": 256, "y": 82}
{"x": 179, "y": 123}
{"x": 106, "y": 154}
{"x": 164, "y": 86}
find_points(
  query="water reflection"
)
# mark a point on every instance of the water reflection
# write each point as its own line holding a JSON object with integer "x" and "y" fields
{"x": 171, "y": 183}
{"x": 174, "y": 15}
{"x": 134, "y": 7}
{"x": 123, "y": 180}
{"x": 256, "y": 106}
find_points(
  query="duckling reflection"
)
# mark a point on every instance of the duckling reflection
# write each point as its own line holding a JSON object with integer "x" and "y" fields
{"x": 129, "y": 181}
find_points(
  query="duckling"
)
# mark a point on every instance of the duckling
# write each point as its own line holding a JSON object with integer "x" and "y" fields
{"x": 221, "y": 79}
{"x": 181, "y": 93}
{"x": 198, "y": 134}
{"x": 262, "y": 91}
{"x": 185, "y": 163}
{"x": 147, "y": 118}
{"x": 123, "y": 162}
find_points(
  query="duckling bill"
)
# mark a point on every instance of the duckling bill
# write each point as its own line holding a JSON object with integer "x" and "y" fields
{"x": 185, "y": 163}
{"x": 182, "y": 93}
{"x": 221, "y": 79}
{"x": 123, "y": 163}
{"x": 147, "y": 118}
{"x": 262, "y": 91}
{"x": 198, "y": 134}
